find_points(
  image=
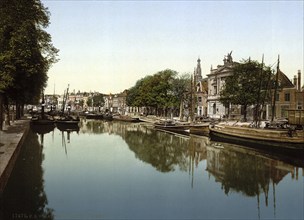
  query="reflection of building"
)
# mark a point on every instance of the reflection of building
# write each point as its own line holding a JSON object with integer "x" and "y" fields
{"x": 197, "y": 148}
{"x": 241, "y": 170}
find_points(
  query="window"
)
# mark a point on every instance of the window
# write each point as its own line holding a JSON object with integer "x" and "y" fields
{"x": 277, "y": 97}
{"x": 287, "y": 97}
{"x": 199, "y": 99}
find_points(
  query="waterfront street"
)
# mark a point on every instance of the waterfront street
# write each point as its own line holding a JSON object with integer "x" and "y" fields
{"x": 119, "y": 170}
{"x": 11, "y": 140}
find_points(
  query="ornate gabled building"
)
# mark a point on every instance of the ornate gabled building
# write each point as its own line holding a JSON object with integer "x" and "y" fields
{"x": 201, "y": 91}
{"x": 289, "y": 94}
{"x": 216, "y": 81}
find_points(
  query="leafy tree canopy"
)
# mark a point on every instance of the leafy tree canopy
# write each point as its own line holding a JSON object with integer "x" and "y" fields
{"x": 26, "y": 50}
{"x": 96, "y": 100}
{"x": 247, "y": 85}
{"x": 154, "y": 90}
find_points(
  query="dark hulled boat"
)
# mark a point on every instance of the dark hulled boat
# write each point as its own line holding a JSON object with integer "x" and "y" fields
{"x": 125, "y": 118}
{"x": 281, "y": 140}
{"x": 94, "y": 116}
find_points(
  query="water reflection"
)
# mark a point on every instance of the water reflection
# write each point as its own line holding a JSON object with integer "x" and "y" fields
{"x": 24, "y": 196}
{"x": 42, "y": 130}
{"x": 233, "y": 169}
{"x": 247, "y": 172}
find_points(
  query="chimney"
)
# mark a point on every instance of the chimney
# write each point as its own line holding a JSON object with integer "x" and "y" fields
{"x": 299, "y": 80}
{"x": 295, "y": 81}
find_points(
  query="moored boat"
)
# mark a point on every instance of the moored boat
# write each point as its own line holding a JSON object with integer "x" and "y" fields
{"x": 94, "y": 116}
{"x": 107, "y": 116}
{"x": 172, "y": 126}
{"x": 67, "y": 122}
{"x": 42, "y": 121}
{"x": 283, "y": 140}
{"x": 125, "y": 118}
{"x": 71, "y": 126}
{"x": 199, "y": 129}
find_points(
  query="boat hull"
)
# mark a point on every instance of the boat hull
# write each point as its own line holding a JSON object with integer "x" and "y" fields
{"x": 42, "y": 122}
{"x": 94, "y": 116}
{"x": 126, "y": 119}
{"x": 179, "y": 129}
{"x": 67, "y": 125}
{"x": 274, "y": 141}
{"x": 201, "y": 130}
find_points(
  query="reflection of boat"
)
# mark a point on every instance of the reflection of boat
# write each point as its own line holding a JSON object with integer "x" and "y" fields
{"x": 67, "y": 126}
{"x": 42, "y": 128}
{"x": 67, "y": 123}
{"x": 278, "y": 140}
{"x": 125, "y": 118}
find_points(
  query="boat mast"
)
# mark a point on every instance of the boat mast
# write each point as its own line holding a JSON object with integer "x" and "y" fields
{"x": 275, "y": 89}
{"x": 257, "y": 113}
{"x": 65, "y": 96}
{"x": 191, "y": 99}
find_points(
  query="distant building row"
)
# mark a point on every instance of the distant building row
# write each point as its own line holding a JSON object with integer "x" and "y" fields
{"x": 289, "y": 96}
{"x": 207, "y": 95}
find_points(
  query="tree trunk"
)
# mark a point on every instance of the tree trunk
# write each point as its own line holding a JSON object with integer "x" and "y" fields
{"x": 1, "y": 112}
{"x": 181, "y": 110}
{"x": 7, "y": 109}
{"x": 22, "y": 110}
{"x": 245, "y": 113}
{"x": 18, "y": 111}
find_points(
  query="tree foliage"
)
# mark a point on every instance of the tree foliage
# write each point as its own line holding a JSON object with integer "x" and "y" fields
{"x": 161, "y": 91}
{"x": 26, "y": 50}
{"x": 247, "y": 85}
{"x": 96, "y": 100}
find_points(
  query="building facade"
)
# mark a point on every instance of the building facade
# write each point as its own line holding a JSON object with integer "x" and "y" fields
{"x": 216, "y": 81}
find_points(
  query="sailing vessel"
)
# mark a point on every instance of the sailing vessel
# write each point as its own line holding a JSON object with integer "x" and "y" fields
{"x": 42, "y": 119}
{"x": 67, "y": 121}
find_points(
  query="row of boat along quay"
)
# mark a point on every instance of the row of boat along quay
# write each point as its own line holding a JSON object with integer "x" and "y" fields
{"x": 118, "y": 169}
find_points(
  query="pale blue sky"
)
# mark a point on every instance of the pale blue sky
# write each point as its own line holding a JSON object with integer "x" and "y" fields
{"x": 107, "y": 46}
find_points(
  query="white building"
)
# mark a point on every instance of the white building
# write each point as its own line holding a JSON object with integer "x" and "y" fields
{"x": 216, "y": 81}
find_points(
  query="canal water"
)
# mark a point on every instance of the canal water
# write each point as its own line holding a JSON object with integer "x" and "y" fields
{"x": 117, "y": 170}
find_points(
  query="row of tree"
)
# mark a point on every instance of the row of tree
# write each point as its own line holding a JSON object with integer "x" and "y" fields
{"x": 161, "y": 93}
{"x": 251, "y": 83}
{"x": 26, "y": 53}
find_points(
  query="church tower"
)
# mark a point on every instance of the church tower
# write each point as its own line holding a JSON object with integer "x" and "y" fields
{"x": 198, "y": 71}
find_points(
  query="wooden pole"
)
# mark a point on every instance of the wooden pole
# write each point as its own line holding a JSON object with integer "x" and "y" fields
{"x": 275, "y": 89}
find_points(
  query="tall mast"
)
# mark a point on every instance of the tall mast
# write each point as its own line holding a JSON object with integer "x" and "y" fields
{"x": 191, "y": 98}
{"x": 65, "y": 96}
{"x": 275, "y": 89}
{"x": 257, "y": 113}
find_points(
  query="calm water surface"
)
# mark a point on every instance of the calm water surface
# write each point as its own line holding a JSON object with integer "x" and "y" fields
{"x": 116, "y": 170}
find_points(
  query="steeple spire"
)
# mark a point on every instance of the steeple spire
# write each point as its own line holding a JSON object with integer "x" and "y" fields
{"x": 198, "y": 72}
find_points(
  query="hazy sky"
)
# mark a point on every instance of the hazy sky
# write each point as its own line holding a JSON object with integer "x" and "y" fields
{"x": 107, "y": 46}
